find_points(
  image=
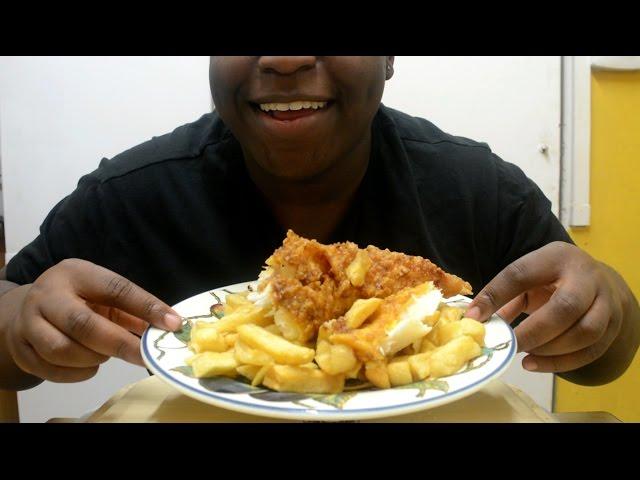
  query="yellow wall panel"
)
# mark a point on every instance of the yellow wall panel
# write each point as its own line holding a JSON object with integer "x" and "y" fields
{"x": 614, "y": 233}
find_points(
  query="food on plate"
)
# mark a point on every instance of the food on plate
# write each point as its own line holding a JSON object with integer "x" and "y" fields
{"x": 308, "y": 283}
{"x": 322, "y": 315}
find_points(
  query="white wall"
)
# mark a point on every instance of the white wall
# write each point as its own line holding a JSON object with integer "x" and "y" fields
{"x": 59, "y": 116}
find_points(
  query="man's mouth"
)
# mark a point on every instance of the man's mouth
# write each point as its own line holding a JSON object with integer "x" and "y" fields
{"x": 288, "y": 111}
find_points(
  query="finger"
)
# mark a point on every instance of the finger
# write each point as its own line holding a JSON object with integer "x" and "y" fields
{"x": 57, "y": 349}
{"x": 76, "y": 320}
{"x": 565, "y": 307}
{"x": 571, "y": 361}
{"x": 128, "y": 321}
{"x": 28, "y": 360}
{"x": 537, "y": 268}
{"x": 99, "y": 285}
{"x": 587, "y": 331}
{"x": 513, "y": 309}
{"x": 125, "y": 320}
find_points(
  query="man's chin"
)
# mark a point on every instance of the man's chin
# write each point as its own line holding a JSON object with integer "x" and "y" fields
{"x": 296, "y": 168}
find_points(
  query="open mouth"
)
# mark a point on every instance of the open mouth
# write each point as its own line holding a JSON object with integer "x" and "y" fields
{"x": 289, "y": 111}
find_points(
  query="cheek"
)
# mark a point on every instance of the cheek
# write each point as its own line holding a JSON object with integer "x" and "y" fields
{"x": 226, "y": 77}
{"x": 361, "y": 78}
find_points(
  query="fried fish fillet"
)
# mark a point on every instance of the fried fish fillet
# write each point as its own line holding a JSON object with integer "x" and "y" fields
{"x": 401, "y": 319}
{"x": 308, "y": 283}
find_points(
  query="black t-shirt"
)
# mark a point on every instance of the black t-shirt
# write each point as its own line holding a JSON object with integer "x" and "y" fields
{"x": 179, "y": 215}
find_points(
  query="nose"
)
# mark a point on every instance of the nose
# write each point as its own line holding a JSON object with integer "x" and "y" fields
{"x": 285, "y": 65}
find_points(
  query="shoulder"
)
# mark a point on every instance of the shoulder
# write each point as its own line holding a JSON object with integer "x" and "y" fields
{"x": 419, "y": 132}
{"x": 436, "y": 156}
{"x": 186, "y": 143}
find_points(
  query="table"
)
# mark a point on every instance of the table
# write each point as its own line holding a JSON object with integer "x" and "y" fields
{"x": 151, "y": 400}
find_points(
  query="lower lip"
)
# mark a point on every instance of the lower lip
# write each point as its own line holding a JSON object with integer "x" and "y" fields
{"x": 292, "y": 122}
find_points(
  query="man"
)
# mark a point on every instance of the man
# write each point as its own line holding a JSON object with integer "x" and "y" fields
{"x": 300, "y": 143}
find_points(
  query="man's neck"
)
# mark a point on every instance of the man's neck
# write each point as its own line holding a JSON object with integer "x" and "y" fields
{"x": 314, "y": 207}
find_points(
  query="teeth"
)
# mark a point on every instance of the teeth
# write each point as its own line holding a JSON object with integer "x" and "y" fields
{"x": 298, "y": 105}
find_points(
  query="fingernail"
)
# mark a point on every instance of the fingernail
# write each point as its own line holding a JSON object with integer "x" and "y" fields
{"x": 530, "y": 364}
{"x": 173, "y": 321}
{"x": 473, "y": 312}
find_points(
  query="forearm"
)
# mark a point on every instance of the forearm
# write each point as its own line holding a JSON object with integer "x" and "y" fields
{"x": 621, "y": 352}
{"x": 11, "y": 377}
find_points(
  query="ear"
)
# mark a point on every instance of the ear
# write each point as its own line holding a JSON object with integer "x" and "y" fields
{"x": 389, "y": 68}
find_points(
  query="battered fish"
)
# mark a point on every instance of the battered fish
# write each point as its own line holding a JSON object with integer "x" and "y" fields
{"x": 308, "y": 283}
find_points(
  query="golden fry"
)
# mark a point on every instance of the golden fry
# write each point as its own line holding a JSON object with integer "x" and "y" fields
{"x": 234, "y": 301}
{"x": 288, "y": 326}
{"x": 465, "y": 326}
{"x": 420, "y": 365}
{"x": 360, "y": 311}
{"x": 426, "y": 346}
{"x": 273, "y": 328}
{"x": 282, "y": 350}
{"x": 206, "y": 339}
{"x": 358, "y": 268}
{"x": 230, "y": 339}
{"x": 399, "y": 373}
{"x": 251, "y": 356}
{"x": 212, "y": 364}
{"x": 450, "y": 314}
{"x": 376, "y": 373}
{"x": 451, "y": 357}
{"x": 335, "y": 359}
{"x": 248, "y": 371}
{"x": 259, "y": 377}
{"x": 286, "y": 378}
{"x": 243, "y": 315}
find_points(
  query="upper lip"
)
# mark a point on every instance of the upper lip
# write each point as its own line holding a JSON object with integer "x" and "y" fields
{"x": 289, "y": 99}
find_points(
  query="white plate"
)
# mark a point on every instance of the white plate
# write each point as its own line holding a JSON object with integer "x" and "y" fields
{"x": 165, "y": 354}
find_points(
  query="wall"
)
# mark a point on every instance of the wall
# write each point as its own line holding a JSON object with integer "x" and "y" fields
{"x": 615, "y": 223}
{"x": 58, "y": 117}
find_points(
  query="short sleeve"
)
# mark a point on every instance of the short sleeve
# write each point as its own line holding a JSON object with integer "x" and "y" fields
{"x": 72, "y": 229}
{"x": 525, "y": 219}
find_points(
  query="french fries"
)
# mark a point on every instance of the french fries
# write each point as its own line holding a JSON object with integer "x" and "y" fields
{"x": 335, "y": 359}
{"x": 399, "y": 372}
{"x": 464, "y": 326}
{"x": 257, "y": 344}
{"x": 212, "y": 364}
{"x": 420, "y": 365}
{"x": 451, "y": 357}
{"x": 206, "y": 339}
{"x": 234, "y": 301}
{"x": 358, "y": 268}
{"x": 376, "y": 372}
{"x": 248, "y": 371}
{"x": 287, "y": 378}
{"x": 246, "y": 314}
{"x": 283, "y": 351}
{"x": 287, "y": 324}
{"x": 360, "y": 311}
{"x": 250, "y": 356}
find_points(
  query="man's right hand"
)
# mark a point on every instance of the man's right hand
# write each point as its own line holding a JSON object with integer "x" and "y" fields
{"x": 75, "y": 316}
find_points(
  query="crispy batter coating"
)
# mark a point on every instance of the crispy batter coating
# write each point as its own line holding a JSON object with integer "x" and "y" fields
{"x": 310, "y": 279}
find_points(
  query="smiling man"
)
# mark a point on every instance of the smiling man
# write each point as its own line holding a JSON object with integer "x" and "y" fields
{"x": 300, "y": 143}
